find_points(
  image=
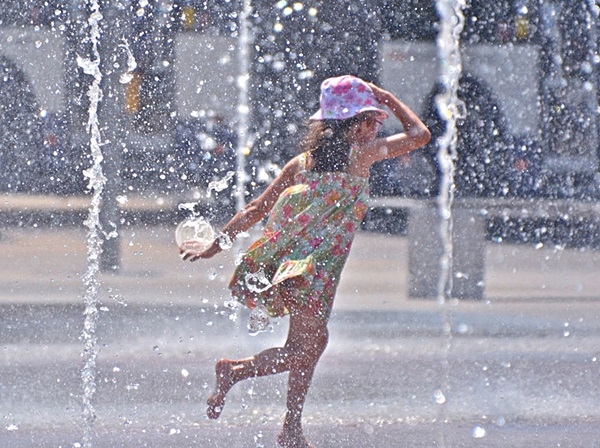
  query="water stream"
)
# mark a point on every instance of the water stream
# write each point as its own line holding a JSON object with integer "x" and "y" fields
{"x": 450, "y": 109}
{"x": 97, "y": 181}
{"x": 243, "y": 109}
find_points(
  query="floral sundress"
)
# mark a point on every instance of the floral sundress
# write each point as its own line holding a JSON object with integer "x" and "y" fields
{"x": 307, "y": 237}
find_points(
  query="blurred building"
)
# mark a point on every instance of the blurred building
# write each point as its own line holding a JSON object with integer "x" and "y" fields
{"x": 530, "y": 88}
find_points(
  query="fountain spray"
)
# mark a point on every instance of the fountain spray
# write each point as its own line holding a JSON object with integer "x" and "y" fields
{"x": 450, "y": 109}
{"x": 243, "y": 107}
{"x": 97, "y": 180}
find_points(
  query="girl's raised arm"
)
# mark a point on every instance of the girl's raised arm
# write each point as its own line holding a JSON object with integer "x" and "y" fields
{"x": 415, "y": 133}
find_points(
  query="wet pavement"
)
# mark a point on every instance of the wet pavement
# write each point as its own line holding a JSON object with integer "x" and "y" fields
{"x": 518, "y": 369}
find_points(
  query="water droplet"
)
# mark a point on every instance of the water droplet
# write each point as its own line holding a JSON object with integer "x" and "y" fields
{"x": 225, "y": 242}
{"x": 257, "y": 440}
{"x": 126, "y": 78}
{"x": 462, "y": 328}
{"x": 478, "y": 432}
{"x": 119, "y": 299}
{"x": 259, "y": 321}
{"x": 184, "y": 373}
{"x": 439, "y": 397}
{"x": 257, "y": 282}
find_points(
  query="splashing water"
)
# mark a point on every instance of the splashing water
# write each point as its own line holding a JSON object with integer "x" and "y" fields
{"x": 257, "y": 282}
{"x": 450, "y": 109}
{"x": 97, "y": 180}
{"x": 219, "y": 185}
{"x": 225, "y": 242}
{"x": 195, "y": 229}
{"x": 190, "y": 207}
{"x": 128, "y": 76}
{"x": 258, "y": 320}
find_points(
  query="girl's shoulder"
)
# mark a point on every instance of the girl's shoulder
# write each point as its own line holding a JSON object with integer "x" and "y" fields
{"x": 298, "y": 165}
{"x": 365, "y": 155}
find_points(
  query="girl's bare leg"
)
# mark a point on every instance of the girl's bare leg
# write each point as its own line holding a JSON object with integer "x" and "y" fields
{"x": 306, "y": 341}
{"x": 216, "y": 400}
{"x": 229, "y": 372}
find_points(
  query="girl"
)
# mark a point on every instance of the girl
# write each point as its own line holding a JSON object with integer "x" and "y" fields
{"x": 315, "y": 206}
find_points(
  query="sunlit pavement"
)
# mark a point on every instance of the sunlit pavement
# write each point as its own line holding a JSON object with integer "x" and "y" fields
{"x": 518, "y": 369}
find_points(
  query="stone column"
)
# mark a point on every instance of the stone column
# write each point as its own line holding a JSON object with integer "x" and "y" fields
{"x": 425, "y": 251}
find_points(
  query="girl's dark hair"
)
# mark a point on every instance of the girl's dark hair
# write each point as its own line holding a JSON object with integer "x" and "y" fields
{"x": 328, "y": 143}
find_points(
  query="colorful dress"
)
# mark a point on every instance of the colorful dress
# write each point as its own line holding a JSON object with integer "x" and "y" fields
{"x": 307, "y": 237}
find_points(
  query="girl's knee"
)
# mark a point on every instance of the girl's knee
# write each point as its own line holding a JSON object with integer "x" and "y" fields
{"x": 308, "y": 349}
{"x": 321, "y": 339}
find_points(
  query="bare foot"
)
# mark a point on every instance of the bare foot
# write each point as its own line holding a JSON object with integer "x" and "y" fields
{"x": 292, "y": 439}
{"x": 216, "y": 400}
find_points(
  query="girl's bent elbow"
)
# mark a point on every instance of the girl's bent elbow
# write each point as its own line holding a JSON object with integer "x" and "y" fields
{"x": 423, "y": 137}
{"x": 427, "y": 136}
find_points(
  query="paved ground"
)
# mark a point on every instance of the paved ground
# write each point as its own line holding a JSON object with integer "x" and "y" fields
{"x": 519, "y": 369}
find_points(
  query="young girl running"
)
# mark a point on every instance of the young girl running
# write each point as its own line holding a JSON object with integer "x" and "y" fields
{"x": 314, "y": 208}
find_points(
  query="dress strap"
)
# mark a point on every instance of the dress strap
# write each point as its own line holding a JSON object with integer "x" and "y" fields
{"x": 303, "y": 159}
{"x": 353, "y": 153}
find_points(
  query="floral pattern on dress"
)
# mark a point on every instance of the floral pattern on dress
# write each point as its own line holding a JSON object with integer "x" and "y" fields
{"x": 307, "y": 238}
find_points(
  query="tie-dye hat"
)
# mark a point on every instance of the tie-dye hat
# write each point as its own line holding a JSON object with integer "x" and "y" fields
{"x": 344, "y": 97}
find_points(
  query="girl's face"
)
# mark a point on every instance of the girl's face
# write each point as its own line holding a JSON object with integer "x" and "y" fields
{"x": 367, "y": 129}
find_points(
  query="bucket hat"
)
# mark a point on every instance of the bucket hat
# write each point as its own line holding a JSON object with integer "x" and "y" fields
{"x": 344, "y": 97}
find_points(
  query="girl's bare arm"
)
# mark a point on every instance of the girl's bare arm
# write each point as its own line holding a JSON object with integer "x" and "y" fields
{"x": 415, "y": 133}
{"x": 252, "y": 213}
{"x": 260, "y": 207}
